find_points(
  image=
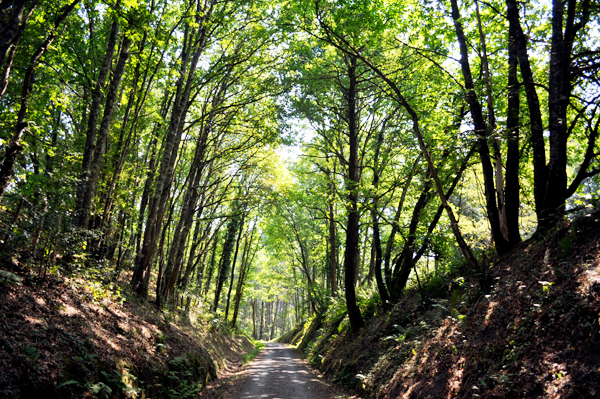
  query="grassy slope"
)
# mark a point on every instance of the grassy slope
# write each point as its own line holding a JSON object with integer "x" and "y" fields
{"x": 536, "y": 334}
{"x": 68, "y": 331}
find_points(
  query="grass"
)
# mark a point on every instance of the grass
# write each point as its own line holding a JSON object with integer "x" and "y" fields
{"x": 247, "y": 358}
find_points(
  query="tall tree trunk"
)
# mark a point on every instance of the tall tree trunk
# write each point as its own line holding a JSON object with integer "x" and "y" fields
{"x": 498, "y": 172}
{"x": 512, "y": 185}
{"x": 246, "y": 263}
{"x": 352, "y": 185}
{"x": 194, "y": 43}
{"x": 89, "y": 189}
{"x": 123, "y": 145}
{"x": 92, "y": 122}
{"x": 274, "y": 321}
{"x": 186, "y": 219}
{"x": 540, "y": 170}
{"x": 332, "y": 233}
{"x": 228, "y": 247}
{"x": 482, "y": 132}
{"x": 262, "y": 319}
{"x": 233, "y": 263}
{"x": 254, "y": 309}
{"x": 377, "y": 256}
{"x": 149, "y": 179}
{"x": 192, "y": 262}
{"x": 211, "y": 267}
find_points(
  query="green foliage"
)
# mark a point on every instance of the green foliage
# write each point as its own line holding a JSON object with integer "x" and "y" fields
{"x": 10, "y": 278}
{"x": 258, "y": 346}
{"x": 31, "y": 352}
{"x": 266, "y": 74}
{"x": 369, "y": 301}
{"x": 403, "y": 333}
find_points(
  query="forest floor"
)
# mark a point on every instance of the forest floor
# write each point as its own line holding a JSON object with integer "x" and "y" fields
{"x": 534, "y": 334}
{"x": 66, "y": 337}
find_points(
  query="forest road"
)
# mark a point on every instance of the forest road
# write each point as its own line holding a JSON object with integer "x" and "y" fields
{"x": 277, "y": 373}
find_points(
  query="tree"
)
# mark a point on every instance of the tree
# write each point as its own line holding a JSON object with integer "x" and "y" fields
{"x": 14, "y": 147}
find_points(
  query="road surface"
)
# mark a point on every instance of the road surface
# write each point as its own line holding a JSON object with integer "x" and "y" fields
{"x": 277, "y": 373}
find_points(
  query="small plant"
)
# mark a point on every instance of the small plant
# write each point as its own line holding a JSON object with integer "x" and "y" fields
{"x": 546, "y": 286}
{"x": 9, "y": 277}
{"x": 402, "y": 335}
{"x": 247, "y": 358}
{"x": 31, "y": 352}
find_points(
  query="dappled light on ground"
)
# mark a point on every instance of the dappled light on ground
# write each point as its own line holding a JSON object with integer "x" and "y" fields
{"x": 278, "y": 374}
{"x": 534, "y": 333}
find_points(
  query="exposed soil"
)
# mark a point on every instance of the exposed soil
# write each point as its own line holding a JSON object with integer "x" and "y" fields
{"x": 535, "y": 334}
{"x": 66, "y": 331}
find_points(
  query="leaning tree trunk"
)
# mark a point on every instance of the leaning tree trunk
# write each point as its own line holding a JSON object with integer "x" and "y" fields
{"x": 193, "y": 47}
{"x": 10, "y": 35}
{"x": 186, "y": 219}
{"x": 191, "y": 196}
{"x": 481, "y": 130}
{"x": 404, "y": 264}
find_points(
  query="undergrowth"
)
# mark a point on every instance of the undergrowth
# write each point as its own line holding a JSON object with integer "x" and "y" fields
{"x": 248, "y": 357}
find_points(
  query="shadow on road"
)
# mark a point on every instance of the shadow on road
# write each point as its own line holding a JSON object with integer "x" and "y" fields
{"x": 278, "y": 373}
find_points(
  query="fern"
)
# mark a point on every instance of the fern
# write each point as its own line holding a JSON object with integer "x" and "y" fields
{"x": 10, "y": 277}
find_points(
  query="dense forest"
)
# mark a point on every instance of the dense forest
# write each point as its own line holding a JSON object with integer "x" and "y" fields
{"x": 256, "y": 164}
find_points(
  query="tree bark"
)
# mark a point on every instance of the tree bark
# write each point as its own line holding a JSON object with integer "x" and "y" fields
{"x": 89, "y": 189}
{"x": 540, "y": 170}
{"x": 233, "y": 263}
{"x": 92, "y": 123}
{"x": 246, "y": 263}
{"x": 378, "y": 252}
{"x": 512, "y": 185}
{"x": 332, "y": 234}
{"x": 194, "y": 42}
{"x": 10, "y": 35}
{"x": 482, "y": 132}
{"x": 351, "y": 252}
{"x": 228, "y": 248}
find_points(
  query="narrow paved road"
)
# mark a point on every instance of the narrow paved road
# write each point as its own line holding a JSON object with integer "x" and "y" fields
{"x": 277, "y": 373}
